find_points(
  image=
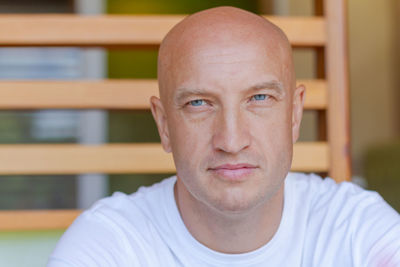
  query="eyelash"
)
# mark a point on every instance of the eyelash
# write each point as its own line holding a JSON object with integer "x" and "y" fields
{"x": 196, "y": 100}
{"x": 263, "y": 95}
{"x": 253, "y": 98}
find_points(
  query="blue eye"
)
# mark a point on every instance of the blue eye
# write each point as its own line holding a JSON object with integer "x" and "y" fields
{"x": 259, "y": 97}
{"x": 197, "y": 102}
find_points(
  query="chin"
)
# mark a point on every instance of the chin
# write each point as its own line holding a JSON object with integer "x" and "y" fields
{"x": 236, "y": 201}
{"x": 242, "y": 199}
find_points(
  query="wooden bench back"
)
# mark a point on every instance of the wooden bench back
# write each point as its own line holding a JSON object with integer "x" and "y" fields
{"x": 328, "y": 95}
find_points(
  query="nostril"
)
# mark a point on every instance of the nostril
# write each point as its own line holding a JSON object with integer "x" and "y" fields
{"x": 231, "y": 142}
{"x": 231, "y": 132}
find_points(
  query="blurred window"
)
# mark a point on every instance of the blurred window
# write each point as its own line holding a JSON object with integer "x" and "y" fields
{"x": 22, "y": 192}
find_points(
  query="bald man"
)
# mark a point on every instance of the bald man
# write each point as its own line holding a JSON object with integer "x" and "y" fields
{"x": 229, "y": 112}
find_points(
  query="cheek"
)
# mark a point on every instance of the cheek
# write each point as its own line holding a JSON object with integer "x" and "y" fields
{"x": 272, "y": 126}
{"x": 189, "y": 140}
{"x": 272, "y": 134}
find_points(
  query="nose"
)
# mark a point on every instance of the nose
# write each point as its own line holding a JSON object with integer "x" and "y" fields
{"x": 231, "y": 133}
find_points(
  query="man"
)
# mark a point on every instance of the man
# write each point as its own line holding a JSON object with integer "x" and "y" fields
{"x": 229, "y": 112}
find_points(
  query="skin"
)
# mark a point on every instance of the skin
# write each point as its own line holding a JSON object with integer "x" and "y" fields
{"x": 228, "y": 97}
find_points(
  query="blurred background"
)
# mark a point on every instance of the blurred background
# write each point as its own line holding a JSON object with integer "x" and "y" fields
{"x": 374, "y": 61}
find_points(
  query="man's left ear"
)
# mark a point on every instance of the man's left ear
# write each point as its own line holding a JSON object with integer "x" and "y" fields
{"x": 297, "y": 112}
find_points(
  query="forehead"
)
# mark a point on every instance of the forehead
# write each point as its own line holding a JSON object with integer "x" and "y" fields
{"x": 225, "y": 52}
{"x": 225, "y": 64}
{"x": 223, "y": 55}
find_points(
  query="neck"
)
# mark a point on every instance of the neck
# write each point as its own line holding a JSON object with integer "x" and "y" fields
{"x": 234, "y": 232}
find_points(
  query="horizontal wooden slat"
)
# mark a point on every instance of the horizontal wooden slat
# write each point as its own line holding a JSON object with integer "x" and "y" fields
{"x": 310, "y": 157}
{"x": 36, "y": 219}
{"x": 121, "y": 158}
{"x": 107, "y": 94}
{"x": 316, "y": 94}
{"x": 126, "y": 30}
{"x": 302, "y": 31}
{"x": 42, "y": 159}
{"x": 73, "y": 158}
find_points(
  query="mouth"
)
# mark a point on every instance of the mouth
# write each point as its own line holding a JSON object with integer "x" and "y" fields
{"x": 234, "y": 172}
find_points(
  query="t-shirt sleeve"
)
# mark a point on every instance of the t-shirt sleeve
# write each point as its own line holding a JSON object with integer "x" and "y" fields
{"x": 378, "y": 235}
{"x": 91, "y": 241}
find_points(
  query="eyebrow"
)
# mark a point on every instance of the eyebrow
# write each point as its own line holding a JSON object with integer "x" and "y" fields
{"x": 272, "y": 85}
{"x": 184, "y": 92}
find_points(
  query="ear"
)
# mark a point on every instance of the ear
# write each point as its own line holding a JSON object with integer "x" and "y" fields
{"x": 297, "y": 112}
{"x": 159, "y": 115}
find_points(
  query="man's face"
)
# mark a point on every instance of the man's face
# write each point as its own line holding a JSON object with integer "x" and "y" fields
{"x": 229, "y": 123}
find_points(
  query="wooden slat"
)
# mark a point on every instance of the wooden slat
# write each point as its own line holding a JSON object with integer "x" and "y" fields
{"x": 316, "y": 94}
{"x": 121, "y": 158}
{"x": 126, "y": 30}
{"x": 307, "y": 156}
{"x": 73, "y": 158}
{"x": 310, "y": 157}
{"x": 302, "y": 31}
{"x": 320, "y": 64}
{"x": 339, "y": 97}
{"x": 49, "y": 159}
{"x": 107, "y": 94}
{"x": 36, "y": 219}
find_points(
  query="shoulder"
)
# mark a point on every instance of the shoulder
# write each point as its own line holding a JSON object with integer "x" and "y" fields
{"x": 138, "y": 204}
{"x": 345, "y": 199}
{"x": 113, "y": 228}
{"x": 325, "y": 191}
{"x": 366, "y": 225}
{"x": 136, "y": 210}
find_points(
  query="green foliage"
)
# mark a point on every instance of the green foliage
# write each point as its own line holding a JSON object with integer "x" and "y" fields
{"x": 173, "y": 6}
{"x": 37, "y": 192}
{"x": 12, "y": 127}
{"x": 382, "y": 171}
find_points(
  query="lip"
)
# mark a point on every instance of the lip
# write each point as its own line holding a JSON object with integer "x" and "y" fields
{"x": 234, "y": 172}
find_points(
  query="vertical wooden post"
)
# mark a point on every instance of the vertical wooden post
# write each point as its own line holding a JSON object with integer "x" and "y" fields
{"x": 318, "y": 7}
{"x": 320, "y": 74}
{"x": 338, "y": 90}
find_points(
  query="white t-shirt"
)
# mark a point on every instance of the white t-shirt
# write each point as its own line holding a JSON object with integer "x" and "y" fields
{"x": 323, "y": 224}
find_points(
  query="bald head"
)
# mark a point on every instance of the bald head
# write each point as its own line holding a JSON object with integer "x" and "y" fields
{"x": 227, "y": 92}
{"x": 220, "y": 29}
